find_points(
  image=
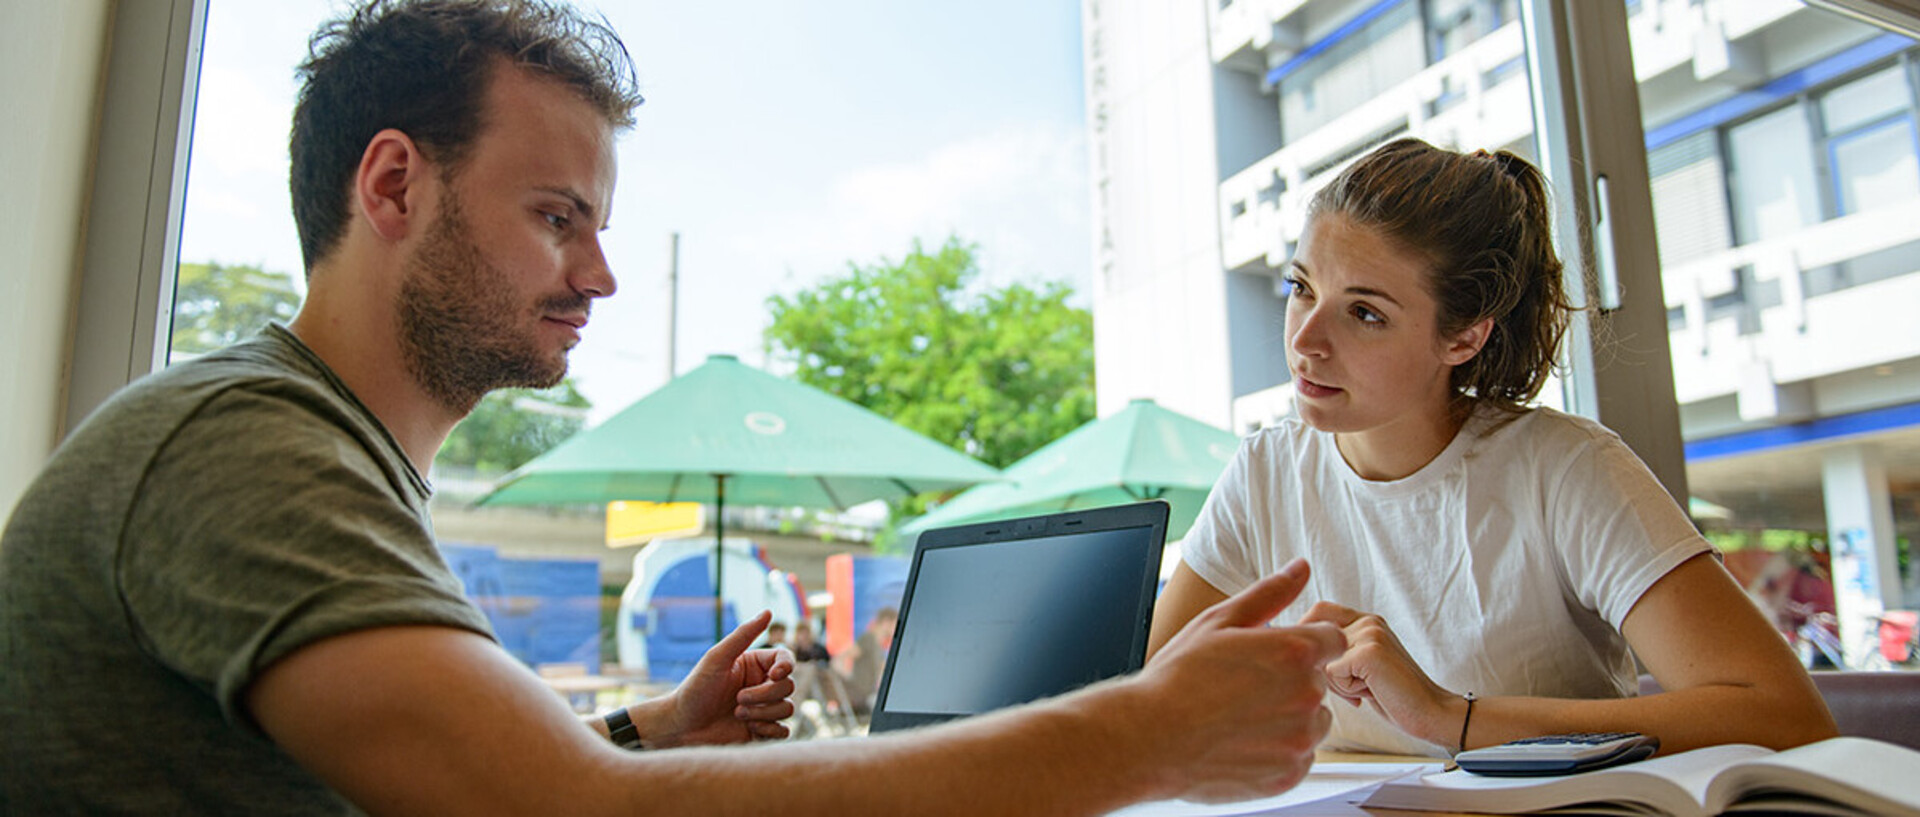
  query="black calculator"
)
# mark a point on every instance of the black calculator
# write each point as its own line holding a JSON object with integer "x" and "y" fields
{"x": 1558, "y": 754}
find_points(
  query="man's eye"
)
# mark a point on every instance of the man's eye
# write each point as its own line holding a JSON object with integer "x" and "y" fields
{"x": 555, "y": 220}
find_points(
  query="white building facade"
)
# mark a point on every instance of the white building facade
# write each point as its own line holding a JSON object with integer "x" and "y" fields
{"x": 1781, "y": 149}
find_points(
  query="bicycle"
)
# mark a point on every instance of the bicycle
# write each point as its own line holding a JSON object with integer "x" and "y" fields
{"x": 1894, "y": 641}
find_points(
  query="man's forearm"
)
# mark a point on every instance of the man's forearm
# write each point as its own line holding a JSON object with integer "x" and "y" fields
{"x": 1083, "y": 754}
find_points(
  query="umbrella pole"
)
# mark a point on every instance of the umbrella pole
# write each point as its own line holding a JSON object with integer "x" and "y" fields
{"x": 719, "y": 556}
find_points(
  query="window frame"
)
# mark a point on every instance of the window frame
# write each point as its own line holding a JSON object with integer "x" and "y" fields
{"x": 1592, "y": 146}
{"x": 124, "y": 305}
{"x": 1835, "y": 191}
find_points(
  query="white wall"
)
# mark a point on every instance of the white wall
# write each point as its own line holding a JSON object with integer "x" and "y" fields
{"x": 53, "y": 56}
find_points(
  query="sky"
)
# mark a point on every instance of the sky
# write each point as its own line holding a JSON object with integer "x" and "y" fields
{"x": 780, "y": 140}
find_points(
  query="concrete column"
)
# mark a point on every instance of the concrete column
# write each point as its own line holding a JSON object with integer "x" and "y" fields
{"x": 1860, "y": 536}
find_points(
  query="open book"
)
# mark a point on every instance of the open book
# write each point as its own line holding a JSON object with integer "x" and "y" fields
{"x": 1840, "y": 776}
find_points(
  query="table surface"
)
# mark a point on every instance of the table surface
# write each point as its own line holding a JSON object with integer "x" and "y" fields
{"x": 1336, "y": 809}
{"x": 1356, "y": 757}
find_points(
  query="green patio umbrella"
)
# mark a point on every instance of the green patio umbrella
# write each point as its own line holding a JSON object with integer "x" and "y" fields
{"x": 1140, "y": 452}
{"x": 729, "y": 432}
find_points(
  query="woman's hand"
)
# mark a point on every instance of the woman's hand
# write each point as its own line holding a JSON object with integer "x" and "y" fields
{"x": 1377, "y": 669}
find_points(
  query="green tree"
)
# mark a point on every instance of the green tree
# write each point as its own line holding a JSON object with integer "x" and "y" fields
{"x": 511, "y": 426}
{"x": 216, "y": 305}
{"x": 995, "y": 374}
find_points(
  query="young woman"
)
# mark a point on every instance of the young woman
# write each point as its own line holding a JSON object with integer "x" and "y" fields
{"x": 1491, "y": 564}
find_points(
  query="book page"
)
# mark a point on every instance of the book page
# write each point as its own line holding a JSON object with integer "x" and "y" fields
{"x": 1676, "y": 784}
{"x": 1869, "y": 776}
{"x": 1331, "y": 786}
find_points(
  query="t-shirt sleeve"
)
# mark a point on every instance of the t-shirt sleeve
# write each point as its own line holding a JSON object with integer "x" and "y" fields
{"x": 1618, "y": 528}
{"x": 262, "y": 527}
{"x": 1219, "y": 547}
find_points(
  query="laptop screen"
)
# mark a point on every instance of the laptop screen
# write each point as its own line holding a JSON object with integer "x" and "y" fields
{"x": 1009, "y": 612}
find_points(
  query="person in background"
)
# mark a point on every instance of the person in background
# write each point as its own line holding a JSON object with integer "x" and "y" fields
{"x": 1797, "y": 591}
{"x": 776, "y": 637}
{"x": 1491, "y": 563}
{"x": 805, "y": 648}
{"x": 814, "y": 677}
{"x": 863, "y": 661}
{"x": 233, "y": 558}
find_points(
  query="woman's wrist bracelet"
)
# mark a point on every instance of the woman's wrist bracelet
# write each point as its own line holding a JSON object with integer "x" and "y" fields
{"x": 1466, "y": 720}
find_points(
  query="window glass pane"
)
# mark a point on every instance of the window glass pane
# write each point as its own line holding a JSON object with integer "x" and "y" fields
{"x": 239, "y": 257}
{"x": 1865, "y": 100}
{"x": 1781, "y": 150}
{"x": 1773, "y": 190}
{"x": 988, "y": 154}
{"x": 1876, "y": 168}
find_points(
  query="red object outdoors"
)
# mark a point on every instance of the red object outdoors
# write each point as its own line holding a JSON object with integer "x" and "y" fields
{"x": 1896, "y": 634}
{"x": 840, "y": 612}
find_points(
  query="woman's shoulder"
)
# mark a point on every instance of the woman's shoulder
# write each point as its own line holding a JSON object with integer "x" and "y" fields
{"x": 1542, "y": 428}
{"x": 1286, "y": 438}
{"x": 1276, "y": 455}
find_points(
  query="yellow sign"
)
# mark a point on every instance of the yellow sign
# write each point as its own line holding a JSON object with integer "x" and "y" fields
{"x": 637, "y": 523}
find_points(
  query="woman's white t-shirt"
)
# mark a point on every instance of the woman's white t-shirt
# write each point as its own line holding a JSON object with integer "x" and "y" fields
{"x": 1505, "y": 566}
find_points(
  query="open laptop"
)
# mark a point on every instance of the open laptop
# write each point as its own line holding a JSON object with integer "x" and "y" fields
{"x": 1001, "y": 613}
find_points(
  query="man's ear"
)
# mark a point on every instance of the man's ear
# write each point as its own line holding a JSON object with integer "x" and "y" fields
{"x": 389, "y": 187}
{"x": 1462, "y": 347}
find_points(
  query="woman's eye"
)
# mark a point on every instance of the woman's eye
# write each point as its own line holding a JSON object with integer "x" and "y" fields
{"x": 1367, "y": 315}
{"x": 1295, "y": 287}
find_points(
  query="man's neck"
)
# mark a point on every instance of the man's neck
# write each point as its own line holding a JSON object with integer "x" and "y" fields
{"x": 373, "y": 370}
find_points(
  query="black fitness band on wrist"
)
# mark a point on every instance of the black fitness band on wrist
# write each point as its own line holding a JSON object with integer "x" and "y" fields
{"x": 621, "y": 730}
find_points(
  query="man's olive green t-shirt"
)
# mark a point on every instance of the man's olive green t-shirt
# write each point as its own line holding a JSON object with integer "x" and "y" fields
{"x": 205, "y": 522}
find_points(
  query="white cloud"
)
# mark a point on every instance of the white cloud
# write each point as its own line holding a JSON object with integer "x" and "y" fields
{"x": 1019, "y": 193}
{"x": 243, "y": 121}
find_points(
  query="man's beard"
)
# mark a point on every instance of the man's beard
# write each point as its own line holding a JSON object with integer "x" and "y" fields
{"x": 459, "y": 332}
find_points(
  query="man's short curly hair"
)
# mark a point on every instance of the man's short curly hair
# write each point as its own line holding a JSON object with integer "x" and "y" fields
{"x": 422, "y": 67}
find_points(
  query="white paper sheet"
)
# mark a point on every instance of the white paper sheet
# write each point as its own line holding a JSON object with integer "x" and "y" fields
{"x": 1330, "y": 789}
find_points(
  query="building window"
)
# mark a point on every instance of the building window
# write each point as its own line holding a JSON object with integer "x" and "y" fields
{"x": 1866, "y": 145}
{"x": 1871, "y": 141}
{"x": 1453, "y": 25}
{"x": 1772, "y": 188}
{"x": 1354, "y": 64}
{"x": 1689, "y": 198}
